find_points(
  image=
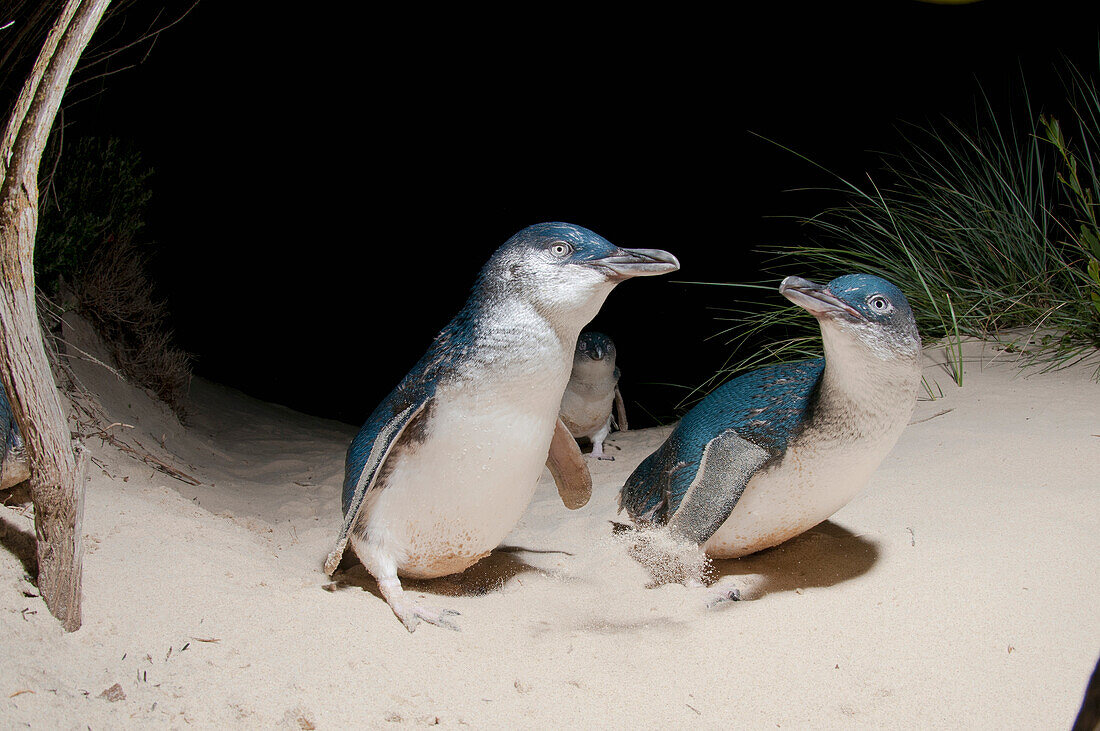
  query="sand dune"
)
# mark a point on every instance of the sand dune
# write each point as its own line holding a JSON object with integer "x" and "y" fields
{"x": 959, "y": 590}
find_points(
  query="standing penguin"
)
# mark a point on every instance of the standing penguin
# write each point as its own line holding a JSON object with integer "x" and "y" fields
{"x": 447, "y": 463}
{"x": 777, "y": 450}
{"x": 592, "y": 392}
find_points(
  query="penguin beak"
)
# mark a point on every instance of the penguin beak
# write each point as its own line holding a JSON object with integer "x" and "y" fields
{"x": 815, "y": 298}
{"x": 626, "y": 263}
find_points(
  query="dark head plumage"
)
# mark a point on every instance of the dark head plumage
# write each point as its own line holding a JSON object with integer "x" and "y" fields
{"x": 558, "y": 242}
{"x": 565, "y": 271}
{"x": 595, "y": 346}
{"x": 864, "y": 305}
{"x": 550, "y": 255}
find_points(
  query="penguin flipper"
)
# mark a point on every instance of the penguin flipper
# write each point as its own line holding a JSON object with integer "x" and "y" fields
{"x": 728, "y": 463}
{"x": 384, "y": 440}
{"x": 7, "y": 430}
{"x": 620, "y": 411}
{"x": 13, "y": 463}
{"x": 568, "y": 468}
{"x": 763, "y": 408}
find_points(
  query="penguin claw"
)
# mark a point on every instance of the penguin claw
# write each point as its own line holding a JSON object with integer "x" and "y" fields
{"x": 440, "y": 619}
{"x": 721, "y": 597}
{"x": 411, "y": 615}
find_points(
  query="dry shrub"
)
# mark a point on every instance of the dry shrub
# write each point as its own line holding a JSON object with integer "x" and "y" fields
{"x": 92, "y": 215}
{"x": 115, "y": 293}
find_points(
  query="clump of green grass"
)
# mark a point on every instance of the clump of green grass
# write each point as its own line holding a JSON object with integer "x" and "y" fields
{"x": 1080, "y": 176}
{"x": 990, "y": 231}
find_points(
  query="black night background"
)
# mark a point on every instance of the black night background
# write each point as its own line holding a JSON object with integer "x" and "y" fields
{"x": 329, "y": 180}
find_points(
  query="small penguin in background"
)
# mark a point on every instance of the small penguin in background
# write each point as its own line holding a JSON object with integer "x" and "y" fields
{"x": 772, "y": 453}
{"x": 13, "y": 459}
{"x": 445, "y": 466}
{"x": 592, "y": 393}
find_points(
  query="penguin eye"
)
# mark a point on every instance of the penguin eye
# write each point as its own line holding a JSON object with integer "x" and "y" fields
{"x": 560, "y": 249}
{"x": 879, "y": 303}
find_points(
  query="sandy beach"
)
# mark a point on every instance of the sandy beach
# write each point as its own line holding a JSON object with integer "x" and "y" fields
{"x": 959, "y": 590}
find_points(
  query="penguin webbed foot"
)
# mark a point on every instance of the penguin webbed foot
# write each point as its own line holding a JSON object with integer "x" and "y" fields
{"x": 410, "y": 612}
{"x": 598, "y": 453}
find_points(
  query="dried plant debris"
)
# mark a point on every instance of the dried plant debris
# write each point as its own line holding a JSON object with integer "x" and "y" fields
{"x": 114, "y": 693}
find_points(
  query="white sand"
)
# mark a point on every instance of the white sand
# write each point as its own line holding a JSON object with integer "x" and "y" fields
{"x": 959, "y": 590}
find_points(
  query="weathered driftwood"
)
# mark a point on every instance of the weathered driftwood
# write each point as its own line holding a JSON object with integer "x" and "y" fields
{"x": 57, "y": 465}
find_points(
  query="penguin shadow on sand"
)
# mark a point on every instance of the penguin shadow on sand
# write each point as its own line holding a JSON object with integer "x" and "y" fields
{"x": 484, "y": 577}
{"x": 13, "y": 539}
{"x": 610, "y": 449}
{"x": 826, "y": 555}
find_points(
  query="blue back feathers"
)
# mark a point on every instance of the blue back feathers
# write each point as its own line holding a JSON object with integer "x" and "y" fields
{"x": 415, "y": 388}
{"x": 766, "y": 406}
